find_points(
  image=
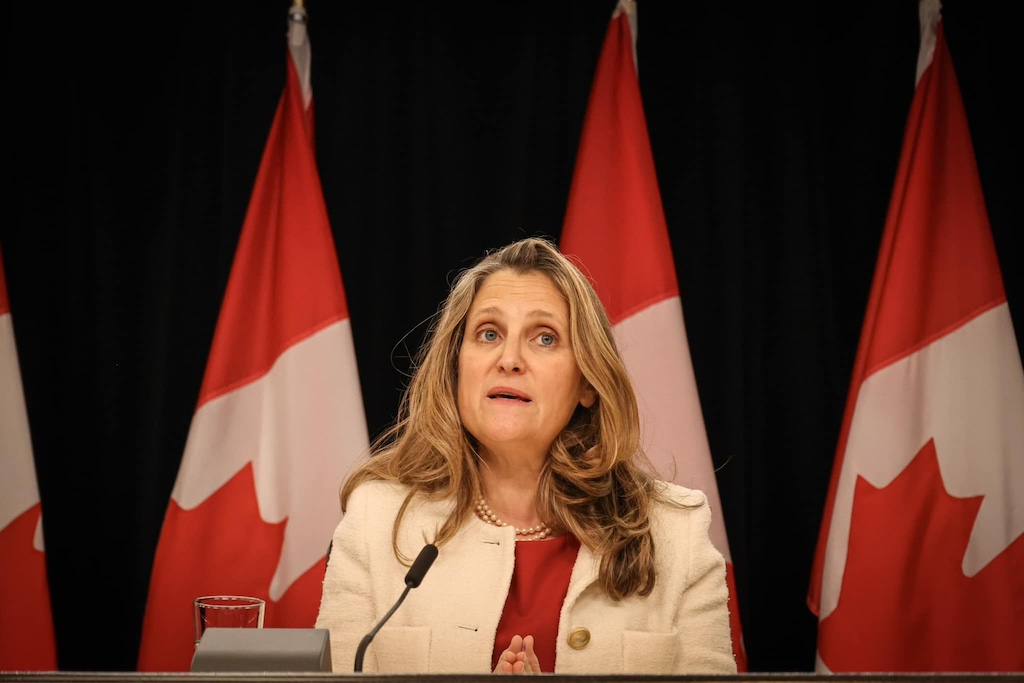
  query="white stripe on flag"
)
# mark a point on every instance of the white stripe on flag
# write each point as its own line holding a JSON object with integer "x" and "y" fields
{"x": 654, "y": 347}
{"x": 18, "y": 488}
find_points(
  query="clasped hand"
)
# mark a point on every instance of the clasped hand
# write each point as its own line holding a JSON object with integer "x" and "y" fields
{"x": 518, "y": 658}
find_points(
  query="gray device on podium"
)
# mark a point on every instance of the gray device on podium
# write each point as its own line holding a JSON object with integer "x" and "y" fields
{"x": 263, "y": 649}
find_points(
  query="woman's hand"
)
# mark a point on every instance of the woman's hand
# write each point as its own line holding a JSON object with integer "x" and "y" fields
{"x": 518, "y": 658}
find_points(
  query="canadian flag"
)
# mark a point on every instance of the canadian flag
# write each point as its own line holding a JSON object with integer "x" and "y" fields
{"x": 920, "y": 560}
{"x": 26, "y": 623}
{"x": 615, "y": 225}
{"x": 280, "y": 416}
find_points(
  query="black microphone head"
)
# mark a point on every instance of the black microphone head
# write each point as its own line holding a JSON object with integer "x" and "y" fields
{"x": 419, "y": 568}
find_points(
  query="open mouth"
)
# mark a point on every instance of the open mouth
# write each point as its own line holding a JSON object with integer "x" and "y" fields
{"x": 509, "y": 396}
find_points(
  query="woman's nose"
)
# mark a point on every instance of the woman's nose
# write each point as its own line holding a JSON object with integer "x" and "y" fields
{"x": 511, "y": 359}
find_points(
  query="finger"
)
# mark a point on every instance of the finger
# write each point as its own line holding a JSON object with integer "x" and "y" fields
{"x": 505, "y": 661}
{"x": 532, "y": 661}
{"x": 517, "y": 644}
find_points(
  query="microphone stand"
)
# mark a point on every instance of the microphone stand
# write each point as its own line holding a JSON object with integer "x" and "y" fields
{"x": 412, "y": 579}
{"x": 365, "y": 642}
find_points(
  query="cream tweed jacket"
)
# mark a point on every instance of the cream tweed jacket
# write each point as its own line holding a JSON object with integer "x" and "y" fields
{"x": 448, "y": 624}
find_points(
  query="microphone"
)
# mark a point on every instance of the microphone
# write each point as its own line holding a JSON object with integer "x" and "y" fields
{"x": 412, "y": 579}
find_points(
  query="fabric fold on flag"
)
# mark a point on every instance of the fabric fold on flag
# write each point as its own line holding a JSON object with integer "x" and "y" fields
{"x": 279, "y": 420}
{"x": 27, "y": 641}
{"x": 920, "y": 558}
{"x": 615, "y": 226}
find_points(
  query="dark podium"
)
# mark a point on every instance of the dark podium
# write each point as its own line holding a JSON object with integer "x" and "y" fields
{"x": 303, "y": 656}
{"x": 313, "y": 677}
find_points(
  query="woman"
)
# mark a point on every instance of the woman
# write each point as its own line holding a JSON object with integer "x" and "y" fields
{"x": 517, "y": 453}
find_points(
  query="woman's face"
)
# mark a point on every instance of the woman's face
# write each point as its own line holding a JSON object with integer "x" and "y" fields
{"x": 518, "y": 379}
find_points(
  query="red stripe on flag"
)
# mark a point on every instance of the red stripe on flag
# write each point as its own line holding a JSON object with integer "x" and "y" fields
{"x": 5, "y": 306}
{"x": 26, "y": 626}
{"x": 937, "y": 248}
{"x": 285, "y": 283}
{"x": 614, "y": 215}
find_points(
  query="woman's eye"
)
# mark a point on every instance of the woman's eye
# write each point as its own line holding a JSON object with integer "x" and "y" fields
{"x": 546, "y": 339}
{"x": 489, "y": 335}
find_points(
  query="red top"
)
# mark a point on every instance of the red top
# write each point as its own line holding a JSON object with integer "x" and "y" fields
{"x": 539, "y": 584}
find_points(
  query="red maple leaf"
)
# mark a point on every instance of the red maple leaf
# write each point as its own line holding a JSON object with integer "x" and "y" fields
{"x": 906, "y": 604}
{"x": 221, "y": 547}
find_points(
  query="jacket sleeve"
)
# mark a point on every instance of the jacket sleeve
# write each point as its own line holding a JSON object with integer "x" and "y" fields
{"x": 703, "y": 614}
{"x": 346, "y": 604}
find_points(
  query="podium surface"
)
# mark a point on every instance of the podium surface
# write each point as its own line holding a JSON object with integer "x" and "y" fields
{"x": 313, "y": 677}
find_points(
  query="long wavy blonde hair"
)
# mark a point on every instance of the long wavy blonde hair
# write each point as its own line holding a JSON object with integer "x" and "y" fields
{"x": 596, "y": 484}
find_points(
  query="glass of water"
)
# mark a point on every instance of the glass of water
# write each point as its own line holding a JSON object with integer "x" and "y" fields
{"x": 227, "y": 611}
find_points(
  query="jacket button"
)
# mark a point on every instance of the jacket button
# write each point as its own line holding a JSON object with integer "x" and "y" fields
{"x": 578, "y": 638}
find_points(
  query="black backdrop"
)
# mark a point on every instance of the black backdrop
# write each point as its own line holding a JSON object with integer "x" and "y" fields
{"x": 444, "y": 129}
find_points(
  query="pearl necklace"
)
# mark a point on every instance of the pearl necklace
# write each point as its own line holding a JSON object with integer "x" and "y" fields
{"x": 533, "y": 533}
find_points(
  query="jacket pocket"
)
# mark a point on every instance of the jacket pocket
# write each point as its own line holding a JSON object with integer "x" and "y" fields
{"x": 649, "y": 653}
{"x": 402, "y": 649}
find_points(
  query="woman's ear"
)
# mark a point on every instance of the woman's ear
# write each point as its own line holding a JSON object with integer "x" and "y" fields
{"x": 587, "y": 396}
